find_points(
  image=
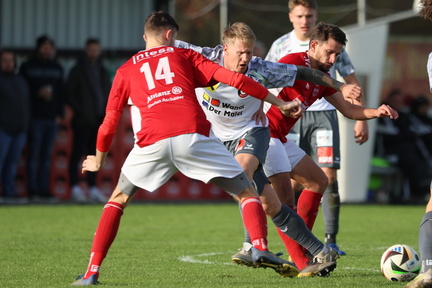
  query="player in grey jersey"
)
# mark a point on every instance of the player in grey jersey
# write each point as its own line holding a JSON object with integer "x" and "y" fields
{"x": 320, "y": 121}
{"x": 424, "y": 279}
{"x": 238, "y": 121}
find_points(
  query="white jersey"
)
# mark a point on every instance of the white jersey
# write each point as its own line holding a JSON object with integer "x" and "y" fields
{"x": 289, "y": 43}
{"x": 229, "y": 110}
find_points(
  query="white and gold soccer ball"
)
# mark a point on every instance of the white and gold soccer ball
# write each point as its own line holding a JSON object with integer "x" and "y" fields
{"x": 400, "y": 262}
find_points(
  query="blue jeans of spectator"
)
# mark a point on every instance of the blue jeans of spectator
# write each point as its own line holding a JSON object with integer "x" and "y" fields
{"x": 41, "y": 138}
{"x": 11, "y": 148}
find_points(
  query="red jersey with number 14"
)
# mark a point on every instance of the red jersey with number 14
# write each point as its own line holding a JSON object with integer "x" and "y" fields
{"x": 161, "y": 83}
{"x": 305, "y": 92}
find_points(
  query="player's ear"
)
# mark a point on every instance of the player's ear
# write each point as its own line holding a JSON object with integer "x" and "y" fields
{"x": 289, "y": 16}
{"x": 171, "y": 36}
{"x": 225, "y": 47}
{"x": 312, "y": 45}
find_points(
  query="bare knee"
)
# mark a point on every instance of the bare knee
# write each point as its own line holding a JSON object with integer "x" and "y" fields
{"x": 271, "y": 209}
{"x": 318, "y": 184}
{"x": 248, "y": 192}
{"x": 119, "y": 197}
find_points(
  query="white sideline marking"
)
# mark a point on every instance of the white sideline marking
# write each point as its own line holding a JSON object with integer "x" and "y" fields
{"x": 192, "y": 259}
{"x": 363, "y": 269}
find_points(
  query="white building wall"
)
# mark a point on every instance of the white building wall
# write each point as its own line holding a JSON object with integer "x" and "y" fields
{"x": 117, "y": 23}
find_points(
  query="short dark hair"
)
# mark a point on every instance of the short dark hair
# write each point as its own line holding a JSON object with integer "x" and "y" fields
{"x": 160, "y": 20}
{"x": 41, "y": 40}
{"x": 426, "y": 9}
{"x": 324, "y": 31}
{"x": 92, "y": 41}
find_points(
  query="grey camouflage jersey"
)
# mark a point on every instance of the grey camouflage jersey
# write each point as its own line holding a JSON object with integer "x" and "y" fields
{"x": 229, "y": 110}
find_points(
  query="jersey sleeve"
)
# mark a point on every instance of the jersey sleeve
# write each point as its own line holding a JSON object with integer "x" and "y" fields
{"x": 241, "y": 82}
{"x": 213, "y": 54}
{"x": 272, "y": 74}
{"x": 209, "y": 72}
{"x": 117, "y": 99}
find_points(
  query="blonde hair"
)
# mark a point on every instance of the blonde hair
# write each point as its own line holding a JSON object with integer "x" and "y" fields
{"x": 239, "y": 31}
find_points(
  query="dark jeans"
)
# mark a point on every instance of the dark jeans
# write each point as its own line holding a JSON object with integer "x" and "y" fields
{"x": 84, "y": 143}
{"x": 11, "y": 147}
{"x": 41, "y": 138}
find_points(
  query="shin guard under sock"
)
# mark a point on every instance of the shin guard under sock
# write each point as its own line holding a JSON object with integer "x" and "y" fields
{"x": 307, "y": 207}
{"x": 331, "y": 209}
{"x": 298, "y": 239}
{"x": 255, "y": 221}
{"x": 104, "y": 236}
{"x": 425, "y": 244}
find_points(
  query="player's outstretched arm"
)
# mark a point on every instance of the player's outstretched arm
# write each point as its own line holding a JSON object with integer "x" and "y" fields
{"x": 386, "y": 111}
{"x": 356, "y": 112}
{"x": 254, "y": 89}
{"x": 320, "y": 78}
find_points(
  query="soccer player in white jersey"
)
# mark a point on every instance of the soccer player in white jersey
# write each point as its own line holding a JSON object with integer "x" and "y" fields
{"x": 235, "y": 122}
{"x": 424, "y": 279}
{"x": 321, "y": 118}
{"x": 173, "y": 136}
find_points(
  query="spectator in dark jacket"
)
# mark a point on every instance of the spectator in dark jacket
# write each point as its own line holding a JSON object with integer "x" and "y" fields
{"x": 14, "y": 121}
{"x": 46, "y": 80}
{"x": 400, "y": 143}
{"x": 88, "y": 87}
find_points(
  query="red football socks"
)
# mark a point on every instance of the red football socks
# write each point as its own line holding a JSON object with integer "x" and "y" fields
{"x": 104, "y": 236}
{"x": 308, "y": 205}
{"x": 307, "y": 208}
{"x": 295, "y": 250}
{"x": 255, "y": 221}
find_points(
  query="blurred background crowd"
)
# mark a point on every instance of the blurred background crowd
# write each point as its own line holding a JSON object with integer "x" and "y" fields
{"x": 52, "y": 98}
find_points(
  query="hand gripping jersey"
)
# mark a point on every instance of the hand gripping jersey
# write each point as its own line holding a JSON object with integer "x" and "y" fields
{"x": 305, "y": 92}
{"x": 230, "y": 110}
{"x": 289, "y": 43}
{"x": 160, "y": 83}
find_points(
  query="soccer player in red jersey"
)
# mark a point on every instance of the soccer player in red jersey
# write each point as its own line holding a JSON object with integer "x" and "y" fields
{"x": 173, "y": 135}
{"x": 285, "y": 159}
{"x": 238, "y": 121}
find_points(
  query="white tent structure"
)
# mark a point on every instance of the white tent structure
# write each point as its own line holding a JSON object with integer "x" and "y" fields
{"x": 366, "y": 47}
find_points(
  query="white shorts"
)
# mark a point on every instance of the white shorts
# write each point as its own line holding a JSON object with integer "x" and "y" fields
{"x": 194, "y": 155}
{"x": 282, "y": 157}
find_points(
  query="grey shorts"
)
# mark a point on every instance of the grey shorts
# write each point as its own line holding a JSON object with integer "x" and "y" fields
{"x": 254, "y": 142}
{"x": 317, "y": 133}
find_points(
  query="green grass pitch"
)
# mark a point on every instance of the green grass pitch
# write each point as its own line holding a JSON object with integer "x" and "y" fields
{"x": 185, "y": 245}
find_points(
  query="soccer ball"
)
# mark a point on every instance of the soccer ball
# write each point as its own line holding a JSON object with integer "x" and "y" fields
{"x": 400, "y": 263}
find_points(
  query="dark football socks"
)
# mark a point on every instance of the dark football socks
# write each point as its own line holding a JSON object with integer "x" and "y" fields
{"x": 330, "y": 206}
